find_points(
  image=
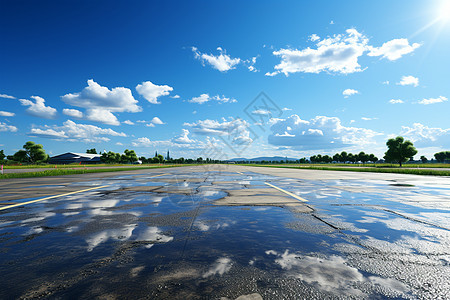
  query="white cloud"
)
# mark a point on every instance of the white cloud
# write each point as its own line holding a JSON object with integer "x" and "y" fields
{"x": 141, "y": 121}
{"x": 236, "y": 129}
{"x": 409, "y": 80}
{"x": 49, "y": 133}
{"x": 183, "y": 138}
{"x": 349, "y": 92}
{"x": 320, "y": 133}
{"x": 396, "y": 101}
{"x": 6, "y": 114}
{"x": 424, "y": 136}
{"x": 261, "y": 112}
{"x": 74, "y": 113}
{"x": 433, "y": 100}
{"x": 150, "y": 125}
{"x": 5, "y": 127}
{"x": 95, "y": 96}
{"x": 203, "y": 98}
{"x": 128, "y": 122}
{"x": 337, "y": 54}
{"x": 151, "y": 92}
{"x": 286, "y": 109}
{"x": 176, "y": 97}
{"x": 314, "y": 37}
{"x": 368, "y": 119}
{"x": 119, "y": 144}
{"x": 386, "y": 82}
{"x": 251, "y": 64}
{"x": 102, "y": 116}
{"x": 7, "y": 96}
{"x": 157, "y": 121}
{"x": 38, "y": 108}
{"x": 72, "y": 131}
{"x": 142, "y": 142}
{"x": 222, "y": 62}
{"x": 393, "y": 49}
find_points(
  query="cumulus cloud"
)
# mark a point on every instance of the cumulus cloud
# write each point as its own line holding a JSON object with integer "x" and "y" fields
{"x": 314, "y": 37}
{"x": 424, "y": 136}
{"x": 349, "y": 92}
{"x": 235, "y": 130}
{"x": 183, "y": 138}
{"x": 142, "y": 142}
{"x": 72, "y": 131}
{"x": 157, "y": 121}
{"x": 95, "y": 96}
{"x": 433, "y": 100}
{"x": 128, "y": 122}
{"x": 319, "y": 133}
{"x": 203, "y": 98}
{"x": 151, "y": 92}
{"x": 409, "y": 80}
{"x": 396, "y": 101}
{"x": 394, "y": 49}
{"x": 38, "y": 108}
{"x": 74, "y": 113}
{"x": 337, "y": 54}
{"x": 221, "y": 62}
{"x": 261, "y": 112}
{"x": 49, "y": 133}
{"x": 102, "y": 116}
{"x": 368, "y": 119}
{"x": 5, "y": 127}
{"x": 6, "y": 114}
{"x": 286, "y": 109}
{"x": 7, "y": 96}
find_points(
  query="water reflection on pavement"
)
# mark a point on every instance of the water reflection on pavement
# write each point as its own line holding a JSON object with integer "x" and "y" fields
{"x": 167, "y": 237}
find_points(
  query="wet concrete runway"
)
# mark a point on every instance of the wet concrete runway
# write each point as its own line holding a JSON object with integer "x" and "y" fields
{"x": 226, "y": 232}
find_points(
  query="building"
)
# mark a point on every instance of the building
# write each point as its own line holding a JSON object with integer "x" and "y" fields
{"x": 71, "y": 157}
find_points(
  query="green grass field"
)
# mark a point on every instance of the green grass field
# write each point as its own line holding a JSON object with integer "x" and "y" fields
{"x": 81, "y": 170}
{"x": 362, "y": 168}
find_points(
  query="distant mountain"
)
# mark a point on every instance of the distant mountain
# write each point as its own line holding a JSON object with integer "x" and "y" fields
{"x": 273, "y": 158}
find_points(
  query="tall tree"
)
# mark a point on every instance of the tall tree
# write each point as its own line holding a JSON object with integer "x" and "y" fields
{"x": 91, "y": 151}
{"x": 399, "y": 150}
{"x": 2, "y": 155}
{"x": 32, "y": 153}
{"x": 423, "y": 159}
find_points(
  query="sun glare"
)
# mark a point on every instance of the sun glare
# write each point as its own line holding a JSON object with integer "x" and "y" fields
{"x": 443, "y": 13}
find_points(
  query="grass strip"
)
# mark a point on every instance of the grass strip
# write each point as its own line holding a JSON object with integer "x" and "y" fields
{"x": 60, "y": 172}
{"x": 364, "y": 169}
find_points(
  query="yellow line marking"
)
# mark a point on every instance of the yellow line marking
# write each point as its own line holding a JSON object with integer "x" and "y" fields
{"x": 286, "y": 192}
{"x": 239, "y": 172}
{"x": 51, "y": 197}
{"x": 160, "y": 175}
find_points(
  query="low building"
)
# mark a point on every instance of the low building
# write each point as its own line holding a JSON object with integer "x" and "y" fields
{"x": 72, "y": 157}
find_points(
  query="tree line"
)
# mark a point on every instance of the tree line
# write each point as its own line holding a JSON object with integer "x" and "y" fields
{"x": 399, "y": 151}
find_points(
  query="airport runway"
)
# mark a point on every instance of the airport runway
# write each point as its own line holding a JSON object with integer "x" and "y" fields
{"x": 225, "y": 232}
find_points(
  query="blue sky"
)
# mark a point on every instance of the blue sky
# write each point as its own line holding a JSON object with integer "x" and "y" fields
{"x": 188, "y": 76}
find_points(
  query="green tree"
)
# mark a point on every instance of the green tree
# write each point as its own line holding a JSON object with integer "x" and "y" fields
{"x": 399, "y": 150}
{"x": 91, "y": 151}
{"x": 442, "y": 156}
{"x": 363, "y": 157}
{"x": 373, "y": 158}
{"x": 423, "y": 159}
{"x": 130, "y": 156}
{"x": 344, "y": 157}
{"x": 2, "y": 155}
{"x": 33, "y": 153}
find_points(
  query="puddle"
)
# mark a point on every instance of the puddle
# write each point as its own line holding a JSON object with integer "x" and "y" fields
{"x": 227, "y": 235}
